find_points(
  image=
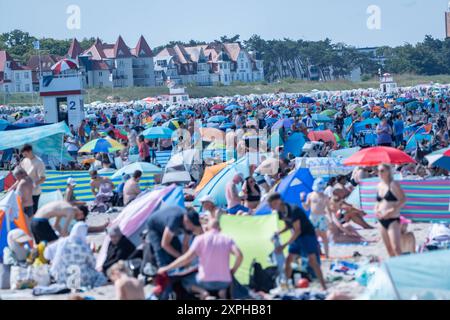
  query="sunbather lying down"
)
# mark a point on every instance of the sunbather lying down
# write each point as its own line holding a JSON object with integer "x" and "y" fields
{"x": 343, "y": 233}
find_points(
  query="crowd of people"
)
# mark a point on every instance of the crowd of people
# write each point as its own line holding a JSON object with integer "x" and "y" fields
{"x": 177, "y": 238}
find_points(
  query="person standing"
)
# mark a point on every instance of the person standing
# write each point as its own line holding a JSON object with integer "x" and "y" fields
{"x": 82, "y": 131}
{"x": 390, "y": 200}
{"x": 384, "y": 133}
{"x": 144, "y": 150}
{"x": 317, "y": 202}
{"x": 35, "y": 169}
{"x": 24, "y": 189}
{"x": 303, "y": 241}
{"x": 399, "y": 127}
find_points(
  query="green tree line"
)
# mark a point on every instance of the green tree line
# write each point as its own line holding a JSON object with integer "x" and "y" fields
{"x": 286, "y": 58}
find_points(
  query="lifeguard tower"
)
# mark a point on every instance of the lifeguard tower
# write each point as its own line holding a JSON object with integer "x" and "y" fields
{"x": 177, "y": 95}
{"x": 62, "y": 93}
{"x": 387, "y": 84}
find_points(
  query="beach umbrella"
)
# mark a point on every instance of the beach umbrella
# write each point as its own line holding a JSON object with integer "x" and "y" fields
{"x": 172, "y": 124}
{"x": 101, "y": 145}
{"x": 329, "y": 112}
{"x": 64, "y": 65}
{"x": 232, "y": 107}
{"x": 150, "y": 100}
{"x": 212, "y": 134}
{"x": 144, "y": 167}
{"x": 377, "y": 155}
{"x": 218, "y": 119}
{"x": 321, "y": 118}
{"x": 283, "y": 123}
{"x": 217, "y": 107}
{"x": 160, "y": 116}
{"x": 187, "y": 112}
{"x": 158, "y": 133}
{"x": 272, "y": 113}
{"x": 440, "y": 158}
{"x": 306, "y": 100}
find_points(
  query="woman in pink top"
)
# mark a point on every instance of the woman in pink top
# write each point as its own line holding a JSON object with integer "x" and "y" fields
{"x": 213, "y": 250}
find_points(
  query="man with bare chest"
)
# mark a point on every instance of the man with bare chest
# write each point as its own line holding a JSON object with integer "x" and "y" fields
{"x": 24, "y": 189}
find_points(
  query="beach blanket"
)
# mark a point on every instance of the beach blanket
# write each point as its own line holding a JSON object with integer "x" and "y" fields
{"x": 426, "y": 200}
{"x": 57, "y": 180}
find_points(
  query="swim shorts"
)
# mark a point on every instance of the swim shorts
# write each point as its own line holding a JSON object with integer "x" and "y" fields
{"x": 319, "y": 221}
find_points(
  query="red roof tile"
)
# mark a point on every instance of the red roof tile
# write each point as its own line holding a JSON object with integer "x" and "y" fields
{"x": 4, "y": 57}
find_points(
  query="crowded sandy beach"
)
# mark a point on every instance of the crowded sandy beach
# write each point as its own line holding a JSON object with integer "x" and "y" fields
{"x": 306, "y": 157}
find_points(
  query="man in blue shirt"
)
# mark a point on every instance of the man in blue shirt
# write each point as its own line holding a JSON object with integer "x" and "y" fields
{"x": 399, "y": 127}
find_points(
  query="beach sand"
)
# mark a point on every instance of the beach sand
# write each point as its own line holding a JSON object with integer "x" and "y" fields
{"x": 342, "y": 252}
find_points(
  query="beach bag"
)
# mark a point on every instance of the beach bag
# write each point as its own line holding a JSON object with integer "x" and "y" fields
{"x": 262, "y": 279}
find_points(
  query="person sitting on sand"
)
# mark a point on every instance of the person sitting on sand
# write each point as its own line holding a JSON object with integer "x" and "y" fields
{"x": 407, "y": 238}
{"x": 69, "y": 194}
{"x": 131, "y": 189}
{"x": 213, "y": 250}
{"x": 72, "y": 259}
{"x": 234, "y": 205}
{"x": 317, "y": 202}
{"x": 127, "y": 288}
{"x": 120, "y": 248}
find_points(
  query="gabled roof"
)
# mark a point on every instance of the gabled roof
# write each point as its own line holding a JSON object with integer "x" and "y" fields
{"x": 5, "y": 57}
{"x": 47, "y": 61}
{"x": 75, "y": 49}
{"x": 99, "y": 65}
{"x": 142, "y": 49}
{"x": 96, "y": 50}
{"x": 121, "y": 50}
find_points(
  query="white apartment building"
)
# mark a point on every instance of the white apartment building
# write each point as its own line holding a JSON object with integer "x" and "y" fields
{"x": 207, "y": 65}
{"x": 14, "y": 78}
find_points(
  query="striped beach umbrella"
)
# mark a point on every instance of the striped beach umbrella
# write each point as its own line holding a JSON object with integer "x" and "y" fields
{"x": 64, "y": 65}
{"x": 101, "y": 145}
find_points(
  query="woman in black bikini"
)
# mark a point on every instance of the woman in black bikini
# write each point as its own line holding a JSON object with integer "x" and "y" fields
{"x": 390, "y": 200}
{"x": 252, "y": 193}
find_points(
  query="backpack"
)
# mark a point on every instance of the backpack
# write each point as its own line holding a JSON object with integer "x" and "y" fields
{"x": 262, "y": 279}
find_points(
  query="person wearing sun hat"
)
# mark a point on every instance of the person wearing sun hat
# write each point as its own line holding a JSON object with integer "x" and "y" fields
{"x": 407, "y": 238}
{"x": 209, "y": 207}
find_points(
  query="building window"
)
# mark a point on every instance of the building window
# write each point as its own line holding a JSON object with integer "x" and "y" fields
{"x": 17, "y": 76}
{"x": 242, "y": 65}
{"x": 18, "y": 88}
{"x": 27, "y": 88}
{"x": 226, "y": 78}
{"x": 246, "y": 65}
{"x": 100, "y": 74}
{"x": 6, "y": 88}
{"x": 26, "y": 75}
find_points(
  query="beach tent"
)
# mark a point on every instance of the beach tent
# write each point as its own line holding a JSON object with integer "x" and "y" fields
{"x": 182, "y": 167}
{"x": 426, "y": 200}
{"x": 326, "y": 135}
{"x": 133, "y": 218}
{"x": 209, "y": 173}
{"x": 294, "y": 144}
{"x": 290, "y": 188}
{"x": 413, "y": 277}
{"x": 216, "y": 186}
{"x": 47, "y": 141}
{"x": 11, "y": 217}
{"x": 253, "y": 236}
{"x": 144, "y": 167}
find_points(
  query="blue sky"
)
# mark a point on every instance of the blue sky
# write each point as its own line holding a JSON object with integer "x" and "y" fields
{"x": 161, "y": 21}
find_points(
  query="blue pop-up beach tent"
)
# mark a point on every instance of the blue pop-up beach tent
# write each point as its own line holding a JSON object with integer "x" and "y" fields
{"x": 290, "y": 189}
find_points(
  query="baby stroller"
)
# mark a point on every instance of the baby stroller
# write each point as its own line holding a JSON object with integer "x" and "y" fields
{"x": 103, "y": 199}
